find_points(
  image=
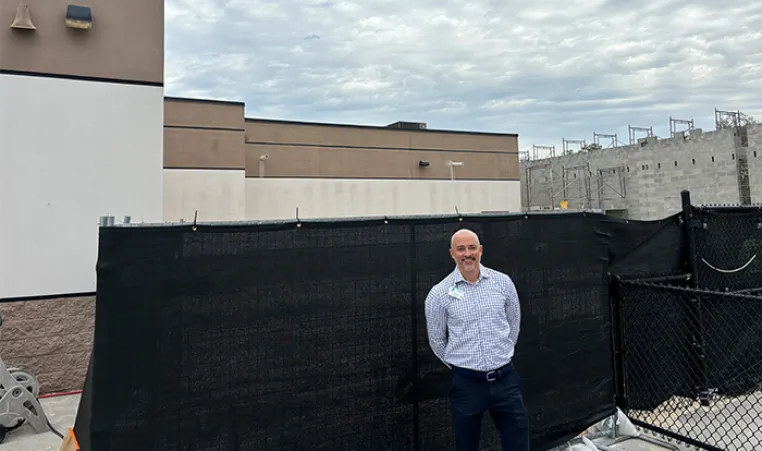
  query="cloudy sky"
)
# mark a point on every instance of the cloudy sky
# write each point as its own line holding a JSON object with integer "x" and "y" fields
{"x": 547, "y": 70}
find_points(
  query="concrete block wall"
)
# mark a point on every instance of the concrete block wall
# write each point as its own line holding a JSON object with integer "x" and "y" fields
{"x": 50, "y": 338}
{"x": 754, "y": 155}
{"x": 655, "y": 171}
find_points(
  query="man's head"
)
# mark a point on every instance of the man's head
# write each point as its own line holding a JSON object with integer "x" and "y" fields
{"x": 466, "y": 250}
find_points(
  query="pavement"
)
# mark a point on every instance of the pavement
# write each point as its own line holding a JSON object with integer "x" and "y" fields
{"x": 61, "y": 411}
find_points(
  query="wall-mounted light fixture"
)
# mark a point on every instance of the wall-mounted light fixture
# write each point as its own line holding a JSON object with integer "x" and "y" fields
{"x": 452, "y": 165}
{"x": 262, "y": 159}
{"x": 23, "y": 19}
{"x": 79, "y": 17}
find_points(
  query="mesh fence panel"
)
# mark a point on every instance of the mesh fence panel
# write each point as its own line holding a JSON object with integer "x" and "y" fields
{"x": 728, "y": 248}
{"x": 644, "y": 249}
{"x": 254, "y": 340}
{"x": 694, "y": 363}
{"x": 272, "y": 337}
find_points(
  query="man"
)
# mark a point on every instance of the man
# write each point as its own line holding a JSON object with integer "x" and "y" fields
{"x": 473, "y": 318}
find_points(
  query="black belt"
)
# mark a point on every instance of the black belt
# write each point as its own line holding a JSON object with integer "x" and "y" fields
{"x": 490, "y": 376}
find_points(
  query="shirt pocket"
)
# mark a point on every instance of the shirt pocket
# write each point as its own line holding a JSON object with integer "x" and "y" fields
{"x": 463, "y": 313}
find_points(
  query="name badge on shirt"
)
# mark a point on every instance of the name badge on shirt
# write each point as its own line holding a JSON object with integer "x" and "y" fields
{"x": 456, "y": 293}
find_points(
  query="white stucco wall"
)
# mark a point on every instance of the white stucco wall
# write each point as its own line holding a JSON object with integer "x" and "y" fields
{"x": 333, "y": 198}
{"x": 72, "y": 151}
{"x": 217, "y": 195}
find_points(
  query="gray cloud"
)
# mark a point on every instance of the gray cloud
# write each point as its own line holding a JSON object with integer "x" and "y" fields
{"x": 547, "y": 70}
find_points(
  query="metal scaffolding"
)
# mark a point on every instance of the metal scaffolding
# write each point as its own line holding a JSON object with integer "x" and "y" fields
{"x": 550, "y": 186}
{"x": 649, "y": 131}
{"x": 673, "y": 123}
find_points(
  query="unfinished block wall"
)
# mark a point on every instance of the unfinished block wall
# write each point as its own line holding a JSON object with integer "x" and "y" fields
{"x": 754, "y": 155}
{"x": 645, "y": 179}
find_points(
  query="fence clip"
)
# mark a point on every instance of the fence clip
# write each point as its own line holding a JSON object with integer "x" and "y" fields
{"x": 698, "y": 224}
{"x": 460, "y": 217}
{"x": 194, "y": 227}
{"x": 298, "y": 221}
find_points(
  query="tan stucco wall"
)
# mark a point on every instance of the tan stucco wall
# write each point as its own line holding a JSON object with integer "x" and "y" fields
{"x": 267, "y": 131}
{"x": 330, "y": 162}
{"x": 126, "y": 41}
{"x": 202, "y": 134}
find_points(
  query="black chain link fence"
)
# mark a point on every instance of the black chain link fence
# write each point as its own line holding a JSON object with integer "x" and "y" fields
{"x": 693, "y": 363}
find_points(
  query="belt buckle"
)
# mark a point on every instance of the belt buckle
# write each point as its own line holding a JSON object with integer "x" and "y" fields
{"x": 493, "y": 375}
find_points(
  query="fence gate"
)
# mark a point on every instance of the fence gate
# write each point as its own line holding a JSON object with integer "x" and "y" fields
{"x": 690, "y": 345}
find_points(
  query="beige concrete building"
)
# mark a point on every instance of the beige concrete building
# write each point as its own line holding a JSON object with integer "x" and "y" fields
{"x": 87, "y": 132}
{"x": 229, "y": 167}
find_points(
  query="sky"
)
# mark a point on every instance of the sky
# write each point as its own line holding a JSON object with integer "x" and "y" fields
{"x": 549, "y": 70}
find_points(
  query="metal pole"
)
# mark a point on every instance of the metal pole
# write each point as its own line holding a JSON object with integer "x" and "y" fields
{"x": 694, "y": 307}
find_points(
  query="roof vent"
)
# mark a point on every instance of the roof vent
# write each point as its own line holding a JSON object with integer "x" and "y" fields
{"x": 408, "y": 125}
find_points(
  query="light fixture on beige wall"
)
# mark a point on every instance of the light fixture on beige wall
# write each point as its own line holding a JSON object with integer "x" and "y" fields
{"x": 23, "y": 19}
{"x": 452, "y": 165}
{"x": 79, "y": 17}
{"x": 262, "y": 159}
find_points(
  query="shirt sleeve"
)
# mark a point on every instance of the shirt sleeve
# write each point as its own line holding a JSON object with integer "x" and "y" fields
{"x": 436, "y": 324}
{"x": 513, "y": 310}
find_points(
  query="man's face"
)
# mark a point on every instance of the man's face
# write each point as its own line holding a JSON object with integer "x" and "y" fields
{"x": 466, "y": 251}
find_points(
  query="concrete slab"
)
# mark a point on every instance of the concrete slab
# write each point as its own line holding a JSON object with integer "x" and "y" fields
{"x": 637, "y": 444}
{"x": 728, "y": 423}
{"x": 61, "y": 411}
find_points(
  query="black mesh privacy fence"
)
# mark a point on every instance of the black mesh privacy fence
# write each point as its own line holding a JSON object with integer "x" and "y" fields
{"x": 312, "y": 335}
{"x": 728, "y": 244}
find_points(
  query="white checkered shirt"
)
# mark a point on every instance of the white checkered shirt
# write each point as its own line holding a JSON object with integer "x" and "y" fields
{"x": 478, "y": 331}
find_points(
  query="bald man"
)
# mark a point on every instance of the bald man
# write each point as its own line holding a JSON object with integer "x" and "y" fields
{"x": 473, "y": 319}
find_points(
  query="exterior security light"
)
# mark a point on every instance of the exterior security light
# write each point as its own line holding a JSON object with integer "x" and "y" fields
{"x": 79, "y": 17}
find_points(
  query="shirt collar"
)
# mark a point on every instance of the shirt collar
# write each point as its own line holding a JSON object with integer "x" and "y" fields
{"x": 483, "y": 274}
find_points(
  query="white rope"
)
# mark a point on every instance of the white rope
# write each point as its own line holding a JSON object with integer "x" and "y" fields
{"x": 730, "y": 270}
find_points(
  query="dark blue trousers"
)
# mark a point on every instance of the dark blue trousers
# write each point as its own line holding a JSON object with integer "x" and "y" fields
{"x": 472, "y": 394}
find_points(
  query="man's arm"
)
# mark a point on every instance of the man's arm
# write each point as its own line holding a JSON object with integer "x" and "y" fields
{"x": 436, "y": 324}
{"x": 513, "y": 310}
